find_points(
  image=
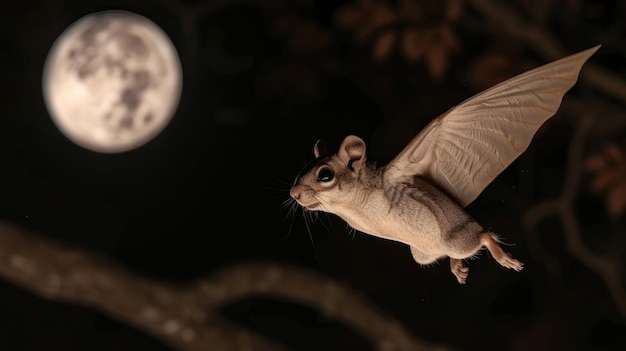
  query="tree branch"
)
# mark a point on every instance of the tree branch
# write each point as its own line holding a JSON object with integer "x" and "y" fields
{"x": 503, "y": 17}
{"x": 190, "y": 17}
{"x": 609, "y": 269}
{"x": 171, "y": 314}
{"x": 187, "y": 317}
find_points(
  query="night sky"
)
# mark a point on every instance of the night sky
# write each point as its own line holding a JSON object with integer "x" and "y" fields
{"x": 258, "y": 91}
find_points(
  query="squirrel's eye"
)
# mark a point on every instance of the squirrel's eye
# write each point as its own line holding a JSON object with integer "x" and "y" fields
{"x": 325, "y": 175}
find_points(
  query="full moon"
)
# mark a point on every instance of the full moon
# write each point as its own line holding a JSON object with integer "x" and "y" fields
{"x": 112, "y": 81}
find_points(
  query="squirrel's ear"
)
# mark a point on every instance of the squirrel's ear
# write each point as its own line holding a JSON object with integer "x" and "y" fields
{"x": 320, "y": 149}
{"x": 352, "y": 152}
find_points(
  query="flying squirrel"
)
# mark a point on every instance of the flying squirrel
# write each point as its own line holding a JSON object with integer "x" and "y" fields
{"x": 418, "y": 198}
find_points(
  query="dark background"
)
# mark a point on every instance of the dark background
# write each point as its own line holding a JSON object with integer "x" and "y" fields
{"x": 262, "y": 82}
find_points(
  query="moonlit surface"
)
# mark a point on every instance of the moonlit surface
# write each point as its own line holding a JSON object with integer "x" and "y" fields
{"x": 112, "y": 81}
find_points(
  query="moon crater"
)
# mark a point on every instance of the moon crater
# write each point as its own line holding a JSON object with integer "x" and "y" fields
{"x": 112, "y": 81}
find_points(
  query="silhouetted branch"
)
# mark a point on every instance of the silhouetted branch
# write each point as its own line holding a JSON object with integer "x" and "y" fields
{"x": 190, "y": 16}
{"x": 603, "y": 264}
{"x": 187, "y": 317}
{"x": 503, "y": 17}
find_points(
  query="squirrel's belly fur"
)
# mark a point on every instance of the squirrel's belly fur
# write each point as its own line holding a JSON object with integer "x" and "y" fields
{"x": 419, "y": 215}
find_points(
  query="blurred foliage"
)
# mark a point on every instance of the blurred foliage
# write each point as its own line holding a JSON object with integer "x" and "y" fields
{"x": 608, "y": 169}
{"x": 418, "y": 29}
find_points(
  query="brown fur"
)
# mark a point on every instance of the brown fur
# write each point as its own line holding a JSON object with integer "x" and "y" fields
{"x": 417, "y": 213}
{"x": 419, "y": 197}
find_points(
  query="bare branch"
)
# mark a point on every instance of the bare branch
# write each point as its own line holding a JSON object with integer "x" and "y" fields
{"x": 187, "y": 317}
{"x": 603, "y": 264}
{"x": 171, "y": 314}
{"x": 303, "y": 286}
{"x": 503, "y": 17}
{"x": 190, "y": 16}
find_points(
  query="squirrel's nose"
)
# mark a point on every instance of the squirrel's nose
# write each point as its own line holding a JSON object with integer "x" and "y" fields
{"x": 295, "y": 194}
